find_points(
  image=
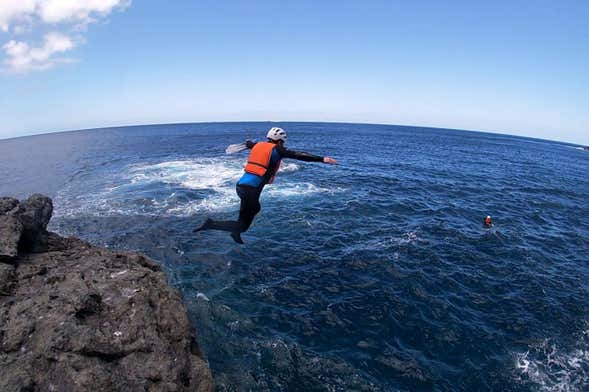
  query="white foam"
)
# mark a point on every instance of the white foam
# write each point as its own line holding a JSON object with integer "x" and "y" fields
{"x": 288, "y": 167}
{"x": 298, "y": 189}
{"x": 216, "y": 177}
{"x": 203, "y": 173}
{"x": 200, "y": 295}
{"x": 552, "y": 368}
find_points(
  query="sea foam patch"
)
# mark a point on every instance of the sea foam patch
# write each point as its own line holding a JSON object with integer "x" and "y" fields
{"x": 298, "y": 189}
{"x": 182, "y": 187}
{"x": 206, "y": 173}
{"x": 550, "y": 367}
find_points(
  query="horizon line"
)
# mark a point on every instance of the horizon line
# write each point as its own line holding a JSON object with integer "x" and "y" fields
{"x": 490, "y": 132}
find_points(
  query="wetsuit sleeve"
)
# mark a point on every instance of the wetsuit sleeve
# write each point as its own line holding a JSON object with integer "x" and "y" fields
{"x": 249, "y": 144}
{"x": 298, "y": 155}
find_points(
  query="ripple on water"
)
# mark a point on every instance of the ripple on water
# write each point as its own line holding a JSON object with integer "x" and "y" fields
{"x": 375, "y": 274}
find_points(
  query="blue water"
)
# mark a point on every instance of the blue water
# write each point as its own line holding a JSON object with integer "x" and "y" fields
{"x": 375, "y": 274}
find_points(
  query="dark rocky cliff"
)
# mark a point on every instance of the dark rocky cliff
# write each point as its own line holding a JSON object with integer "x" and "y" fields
{"x": 75, "y": 317}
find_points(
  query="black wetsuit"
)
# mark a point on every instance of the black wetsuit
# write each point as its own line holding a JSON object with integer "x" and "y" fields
{"x": 250, "y": 187}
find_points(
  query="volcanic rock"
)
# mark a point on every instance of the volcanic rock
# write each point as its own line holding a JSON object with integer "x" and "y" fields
{"x": 75, "y": 317}
{"x": 10, "y": 233}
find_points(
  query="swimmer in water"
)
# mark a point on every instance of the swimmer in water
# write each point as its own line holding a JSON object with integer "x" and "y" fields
{"x": 488, "y": 222}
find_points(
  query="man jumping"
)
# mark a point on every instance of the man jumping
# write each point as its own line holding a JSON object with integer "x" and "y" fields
{"x": 261, "y": 168}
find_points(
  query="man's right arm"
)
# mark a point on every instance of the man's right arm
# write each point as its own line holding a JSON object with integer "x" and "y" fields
{"x": 304, "y": 156}
{"x": 298, "y": 155}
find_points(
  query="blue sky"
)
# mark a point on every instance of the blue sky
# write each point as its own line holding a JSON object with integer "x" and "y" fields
{"x": 517, "y": 67}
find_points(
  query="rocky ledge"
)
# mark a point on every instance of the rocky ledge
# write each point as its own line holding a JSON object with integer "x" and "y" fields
{"x": 75, "y": 317}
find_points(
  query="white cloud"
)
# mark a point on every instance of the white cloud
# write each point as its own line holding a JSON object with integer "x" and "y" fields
{"x": 15, "y": 11}
{"x": 57, "y": 11}
{"x": 21, "y": 16}
{"x": 76, "y": 11}
{"x": 22, "y": 58}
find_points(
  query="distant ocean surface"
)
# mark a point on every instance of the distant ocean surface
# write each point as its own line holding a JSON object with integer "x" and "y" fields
{"x": 372, "y": 275}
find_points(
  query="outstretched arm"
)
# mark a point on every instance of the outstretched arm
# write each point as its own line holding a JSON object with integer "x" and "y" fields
{"x": 304, "y": 156}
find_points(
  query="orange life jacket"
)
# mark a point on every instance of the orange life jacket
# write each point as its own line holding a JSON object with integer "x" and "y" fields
{"x": 258, "y": 162}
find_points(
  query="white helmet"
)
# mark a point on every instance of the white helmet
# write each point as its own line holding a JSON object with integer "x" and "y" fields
{"x": 276, "y": 134}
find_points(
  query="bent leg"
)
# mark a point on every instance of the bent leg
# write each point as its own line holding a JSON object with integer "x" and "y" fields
{"x": 224, "y": 225}
{"x": 210, "y": 224}
{"x": 249, "y": 207}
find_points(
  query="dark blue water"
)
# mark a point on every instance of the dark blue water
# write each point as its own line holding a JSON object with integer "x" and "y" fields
{"x": 375, "y": 274}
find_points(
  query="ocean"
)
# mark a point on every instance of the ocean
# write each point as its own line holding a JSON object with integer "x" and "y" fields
{"x": 373, "y": 275}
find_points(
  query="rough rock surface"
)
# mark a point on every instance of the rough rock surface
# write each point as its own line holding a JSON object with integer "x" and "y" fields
{"x": 34, "y": 214}
{"x": 10, "y": 229}
{"x": 10, "y": 233}
{"x": 74, "y": 317}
